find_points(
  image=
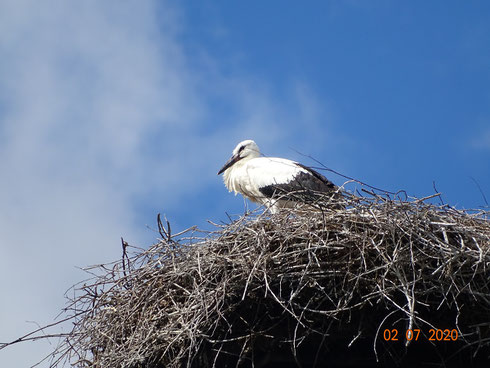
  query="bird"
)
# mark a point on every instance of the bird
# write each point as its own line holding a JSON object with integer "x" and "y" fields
{"x": 272, "y": 181}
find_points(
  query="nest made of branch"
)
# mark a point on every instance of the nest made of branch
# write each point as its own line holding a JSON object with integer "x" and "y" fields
{"x": 294, "y": 285}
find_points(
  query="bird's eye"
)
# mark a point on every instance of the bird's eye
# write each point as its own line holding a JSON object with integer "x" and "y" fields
{"x": 241, "y": 149}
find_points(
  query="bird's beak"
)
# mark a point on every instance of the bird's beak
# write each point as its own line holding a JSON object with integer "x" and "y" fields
{"x": 229, "y": 163}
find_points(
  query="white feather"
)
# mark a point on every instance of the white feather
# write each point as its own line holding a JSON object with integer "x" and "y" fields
{"x": 246, "y": 173}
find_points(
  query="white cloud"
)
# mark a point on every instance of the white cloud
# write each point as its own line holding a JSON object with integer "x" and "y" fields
{"x": 83, "y": 85}
{"x": 482, "y": 141}
{"x": 97, "y": 107}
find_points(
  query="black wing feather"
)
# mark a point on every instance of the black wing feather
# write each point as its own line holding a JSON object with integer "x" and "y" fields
{"x": 304, "y": 187}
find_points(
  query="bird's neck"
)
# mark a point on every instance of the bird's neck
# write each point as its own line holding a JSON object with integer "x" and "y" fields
{"x": 230, "y": 174}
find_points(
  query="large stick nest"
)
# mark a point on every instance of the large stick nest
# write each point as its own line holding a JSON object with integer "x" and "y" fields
{"x": 294, "y": 289}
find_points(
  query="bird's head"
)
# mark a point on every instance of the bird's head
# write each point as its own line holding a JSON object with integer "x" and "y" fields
{"x": 244, "y": 150}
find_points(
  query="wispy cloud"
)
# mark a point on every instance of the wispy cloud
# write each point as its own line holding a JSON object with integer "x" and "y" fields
{"x": 98, "y": 107}
{"x": 482, "y": 141}
{"x": 83, "y": 85}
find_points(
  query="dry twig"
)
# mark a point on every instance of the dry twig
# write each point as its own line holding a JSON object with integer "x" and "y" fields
{"x": 295, "y": 281}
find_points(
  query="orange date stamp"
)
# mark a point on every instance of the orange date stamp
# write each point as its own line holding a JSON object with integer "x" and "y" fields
{"x": 434, "y": 334}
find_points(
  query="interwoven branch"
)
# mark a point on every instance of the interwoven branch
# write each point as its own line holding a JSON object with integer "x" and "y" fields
{"x": 260, "y": 283}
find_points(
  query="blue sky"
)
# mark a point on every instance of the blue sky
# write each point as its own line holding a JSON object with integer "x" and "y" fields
{"x": 111, "y": 112}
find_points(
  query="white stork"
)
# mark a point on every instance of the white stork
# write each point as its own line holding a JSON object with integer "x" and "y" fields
{"x": 271, "y": 181}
